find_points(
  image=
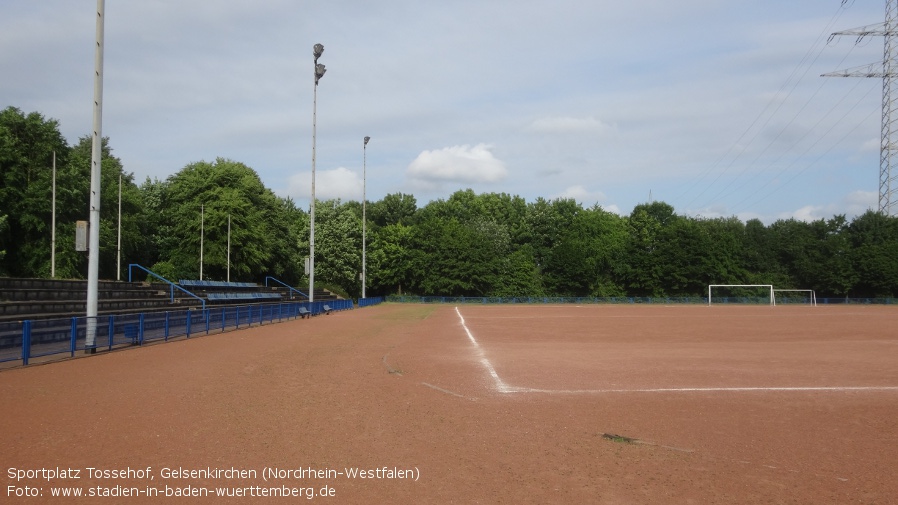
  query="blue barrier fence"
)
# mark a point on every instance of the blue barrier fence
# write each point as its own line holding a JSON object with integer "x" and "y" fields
{"x": 367, "y": 302}
{"x": 26, "y": 340}
{"x": 696, "y": 300}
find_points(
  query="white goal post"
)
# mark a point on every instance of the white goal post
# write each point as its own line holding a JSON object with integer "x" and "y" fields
{"x": 812, "y": 296}
{"x": 768, "y": 286}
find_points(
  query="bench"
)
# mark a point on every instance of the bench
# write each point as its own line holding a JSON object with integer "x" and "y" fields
{"x": 242, "y": 296}
{"x": 216, "y": 284}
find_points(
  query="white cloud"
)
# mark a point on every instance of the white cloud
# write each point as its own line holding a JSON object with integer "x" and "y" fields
{"x": 461, "y": 164}
{"x": 661, "y": 110}
{"x": 569, "y": 125}
{"x": 862, "y": 199}
{"x": 588, "y": 198}
{"x": 339, "y": 183}
{"x": 582, "y": 195}
{"x": 872, "y": 145}
{"x": 807, "y": 213}
{"x": 853, "y": 204}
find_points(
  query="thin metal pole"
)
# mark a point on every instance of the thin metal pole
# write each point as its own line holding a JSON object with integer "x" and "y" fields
{"x": 53, "y": 224}
{"x": 93, "y": 262}
{"x": 118, "y": 246}
{"x": 202, "y": 233}
{"x": 364, "y": 220}
{"x": 229, "y": 248}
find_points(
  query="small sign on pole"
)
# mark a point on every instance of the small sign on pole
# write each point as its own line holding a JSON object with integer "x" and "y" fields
{"x": 308, "y": 265}
{"x": 81, "y": 236}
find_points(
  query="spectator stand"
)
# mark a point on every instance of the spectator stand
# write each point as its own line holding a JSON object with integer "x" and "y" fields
{"x": 230, "y": 292}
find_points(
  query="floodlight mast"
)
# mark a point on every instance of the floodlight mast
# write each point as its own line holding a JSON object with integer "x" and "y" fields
{"x": 319, "y": 70}
{"x": 93, "y": 258}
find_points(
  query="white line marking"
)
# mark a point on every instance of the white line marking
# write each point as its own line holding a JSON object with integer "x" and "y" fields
{"x": 499, "y": 384}
{"x": 453, "y": 393}
{"x": 502, "y": 387}
{"x": 512, "y": 389}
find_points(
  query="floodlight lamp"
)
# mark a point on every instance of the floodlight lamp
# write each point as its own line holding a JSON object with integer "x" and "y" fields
{"x": 317, "y": 50}
{"x": 319, "y": 72}
{"x": 366, "y": 140}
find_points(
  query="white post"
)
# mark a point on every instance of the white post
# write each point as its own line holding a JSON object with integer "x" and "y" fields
{"x": 93, "y": 262}
{"x": 229, "y": 248}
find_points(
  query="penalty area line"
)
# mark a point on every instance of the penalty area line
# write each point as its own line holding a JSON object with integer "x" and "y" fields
{"x": 499, "y": 384}
{"x": 704, "y": 390}
{"x": 502, "y": 387}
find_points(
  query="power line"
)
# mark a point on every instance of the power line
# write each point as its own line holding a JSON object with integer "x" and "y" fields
{"x": 806, "y": 151}
{"x": 887, "y": 70}
{"x": 804, "y": 62}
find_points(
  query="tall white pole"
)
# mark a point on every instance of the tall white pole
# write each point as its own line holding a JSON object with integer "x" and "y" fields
{"x": 93, "y": 261}
{"x": 118, "y": 245}
{"x": 364, "y": 220}
{"x": 202, "y": 232}
{"x": 319, "y": 70}
{"x": 229, "y": 248}
{"x": 53, "y": 224}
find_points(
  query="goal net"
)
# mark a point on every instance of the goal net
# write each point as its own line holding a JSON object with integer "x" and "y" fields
{"x": 741, "y": 293}
{"x": 797, "y": 296}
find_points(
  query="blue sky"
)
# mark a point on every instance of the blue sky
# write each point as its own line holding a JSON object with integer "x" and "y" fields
{"x": 716, "y": 107}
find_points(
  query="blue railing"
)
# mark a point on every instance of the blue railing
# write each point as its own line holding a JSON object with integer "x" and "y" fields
{"x": 631, "y": 299}
{"x": 26, "y": 340}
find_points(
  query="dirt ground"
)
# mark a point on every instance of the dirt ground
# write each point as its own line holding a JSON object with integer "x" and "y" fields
{"x": 404, "y": 403}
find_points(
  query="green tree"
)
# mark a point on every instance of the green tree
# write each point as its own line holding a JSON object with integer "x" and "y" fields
{"x": 759, "y": 256}
{"x": 645, "y": 270}
{"x": 585, "y": 257}
{"x": 874, "y": 247}
{"x": 225, "y": 206}
{"x": 395, "y": 208}
{"x": 77, "y": 199}
{"x": 545, "y": 222}
{"x": 389, "y": 255}
{"x": 338, "y": 246}
{"x": 27, "y": 144}
{"x": 815, "y": 255}
{"x": 451, "y": 259}
{"x": 3, "y": 226}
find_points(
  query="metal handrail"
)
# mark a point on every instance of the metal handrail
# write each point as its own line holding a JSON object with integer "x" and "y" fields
{"x": 291, "y": 288}
{"x": 170, "y": 283}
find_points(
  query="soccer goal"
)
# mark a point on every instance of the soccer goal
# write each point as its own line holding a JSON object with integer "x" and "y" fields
{"x": 799, "y": 296}
{"x": 741, "y": 293}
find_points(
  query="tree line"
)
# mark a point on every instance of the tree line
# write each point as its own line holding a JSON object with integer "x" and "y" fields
{"x": 491, "y": 244}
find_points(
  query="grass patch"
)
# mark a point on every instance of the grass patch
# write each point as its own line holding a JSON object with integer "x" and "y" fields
{"x": 619, "y": 438}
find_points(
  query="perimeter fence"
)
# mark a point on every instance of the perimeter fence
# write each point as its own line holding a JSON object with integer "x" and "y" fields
{"x": 27, "y": 340}
{"x": 663, "y": 300}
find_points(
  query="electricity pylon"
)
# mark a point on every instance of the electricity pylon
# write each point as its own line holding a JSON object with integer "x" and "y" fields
{"x": 887, "y": 70}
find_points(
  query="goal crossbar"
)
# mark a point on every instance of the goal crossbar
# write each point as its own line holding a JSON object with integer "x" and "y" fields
{"x": 768, "y": 286}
